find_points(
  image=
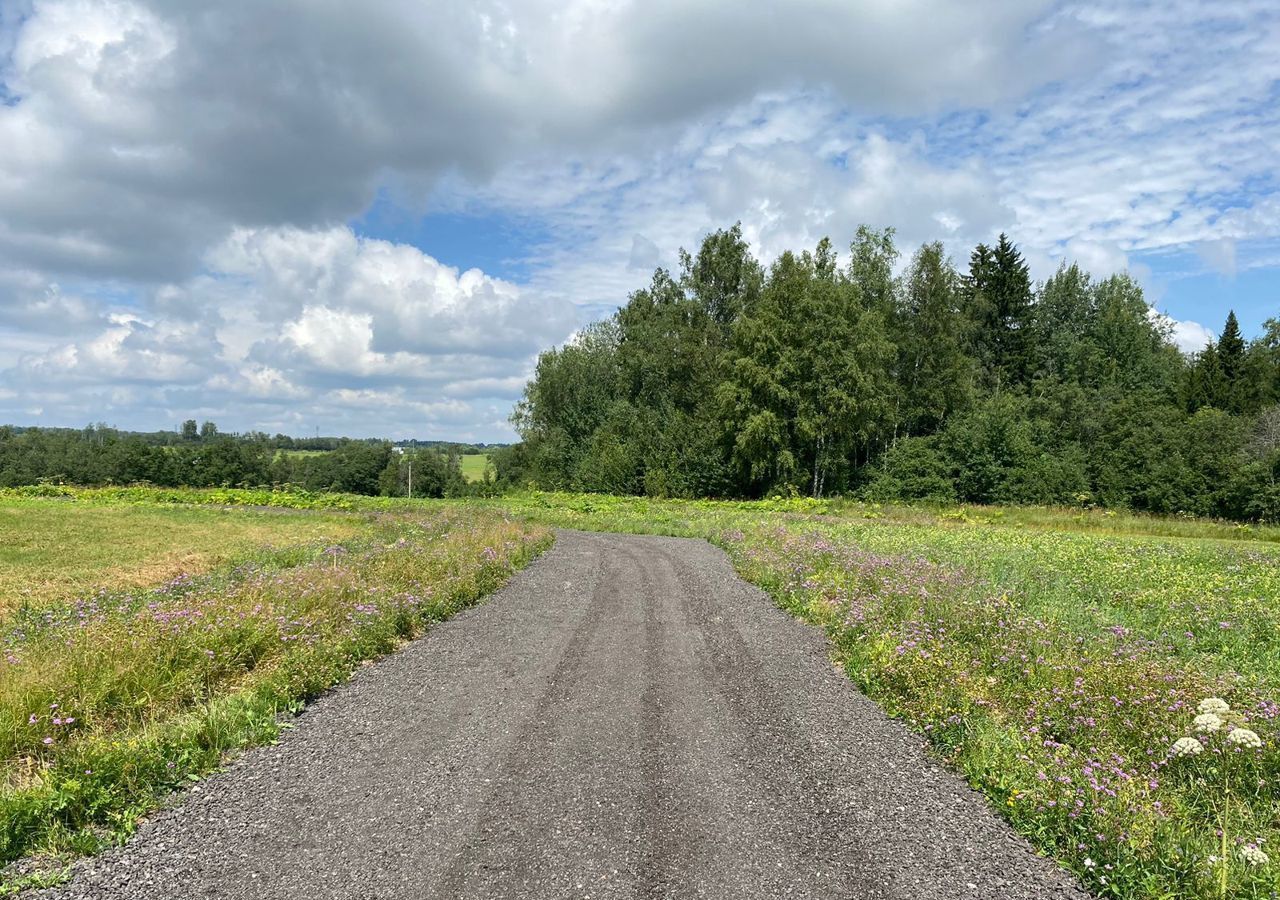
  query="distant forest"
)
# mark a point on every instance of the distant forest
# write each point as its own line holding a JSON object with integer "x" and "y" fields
{"x": 824, "y": 376}
{"x": 202, "y": 456}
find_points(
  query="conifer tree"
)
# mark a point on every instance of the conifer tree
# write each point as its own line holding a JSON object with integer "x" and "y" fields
{"x": 999, "y": 304}
{"x": 1231, "y": 362}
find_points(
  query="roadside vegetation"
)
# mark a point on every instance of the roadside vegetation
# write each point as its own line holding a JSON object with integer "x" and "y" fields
{"x": 111, "y": 697}
{"x": 1058, "y": 657}
{"x": 1054, "y": 658}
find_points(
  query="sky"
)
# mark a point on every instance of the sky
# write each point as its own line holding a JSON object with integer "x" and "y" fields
{"x": 369, "y": 218}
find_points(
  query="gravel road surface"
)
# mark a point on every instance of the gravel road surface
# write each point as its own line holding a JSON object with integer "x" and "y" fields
{"x": 626, "y": 718}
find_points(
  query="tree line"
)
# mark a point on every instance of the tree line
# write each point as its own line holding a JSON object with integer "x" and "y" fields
{"x": 206, "y": 457}
{"x": 819, "y": 375}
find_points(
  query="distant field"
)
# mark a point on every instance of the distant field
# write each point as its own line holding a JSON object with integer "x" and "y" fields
{"x": 302, "y": 452}
{"x": 474, "y": 465}
{"x": 58, "y": 549}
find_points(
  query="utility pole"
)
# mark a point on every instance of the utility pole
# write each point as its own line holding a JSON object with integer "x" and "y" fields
{"x": 410, "y": 479}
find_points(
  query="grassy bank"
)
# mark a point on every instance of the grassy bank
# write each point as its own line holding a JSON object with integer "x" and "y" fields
{"x": 1054, "y": 659}
{"x": 108, "y": 701}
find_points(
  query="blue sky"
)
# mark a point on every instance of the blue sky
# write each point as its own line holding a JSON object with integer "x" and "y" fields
{"x": 370, "y": 218}
{"x": 494, "y": 242}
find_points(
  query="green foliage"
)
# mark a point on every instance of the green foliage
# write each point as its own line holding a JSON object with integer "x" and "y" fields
{"x": 422, "y": 473}
{"x": 912, "y": 469}
{"x": 999, "y": 308}
{"x": 935, "y": 377}
{"x": 809, "y": 378}
{"x": 193, "y": 457}
{"x": 817, "y": 378}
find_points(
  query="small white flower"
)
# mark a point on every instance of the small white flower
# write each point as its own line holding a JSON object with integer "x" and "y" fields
{"x": 1187, "y": 746}
{"x": 1254, "y": 856}
{"x": 1245, "y": 738}
{"x": 1215, "y": 705}
{"x": 1206, "y": 723}
{"x": 1088, "y": 863}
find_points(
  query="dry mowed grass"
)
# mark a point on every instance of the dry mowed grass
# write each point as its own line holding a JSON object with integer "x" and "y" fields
{"x": 57, "y": 549}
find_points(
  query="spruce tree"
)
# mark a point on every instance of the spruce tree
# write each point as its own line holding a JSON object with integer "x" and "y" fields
{"x": 1011, "y": 298}
{"x": 1204, "y": 386}
{"x": 1231, "y": 363}
{"x": 999, "y": 306}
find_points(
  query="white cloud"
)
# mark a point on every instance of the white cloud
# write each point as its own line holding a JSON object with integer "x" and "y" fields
{"x": 1219, "y": 254}
{"x": 814, "y": 175}
{"x": 1191, "y": 337}
{"x": 1157, "y": 145}
{"x": 175, "y": 179}
{"x": 289, "y": 326}
{"x": 143, "y": 131}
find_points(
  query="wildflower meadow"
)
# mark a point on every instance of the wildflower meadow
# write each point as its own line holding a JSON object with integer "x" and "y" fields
{"x": 1071, "y": 673}
{"x": 111, "y": 699}
{"x": 1110, "y": 683}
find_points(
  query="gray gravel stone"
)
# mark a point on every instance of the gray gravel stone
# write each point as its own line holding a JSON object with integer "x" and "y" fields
{"x": 626, "y": 718}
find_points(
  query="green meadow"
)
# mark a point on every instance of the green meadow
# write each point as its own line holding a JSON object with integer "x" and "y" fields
{"x": 474, "y": 465}
{"x": 189, "y": 631}
{"x": 1055, "y": 657}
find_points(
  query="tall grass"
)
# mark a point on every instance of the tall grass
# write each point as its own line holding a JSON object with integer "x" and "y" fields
{"x": 109, "y": 702}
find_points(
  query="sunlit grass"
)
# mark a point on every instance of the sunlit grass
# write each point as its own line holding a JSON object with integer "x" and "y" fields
{"x": 54, "y": 549}
{"x": 474, "y": 465}
{"x": 112, "y": 699}
{"x": 1053, "y": 657}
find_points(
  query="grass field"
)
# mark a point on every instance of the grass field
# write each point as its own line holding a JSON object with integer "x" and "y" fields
{"x": 1054, "y": 657}
{"x": 474, "y": 465}
{"x": 111, "y": 698}
{"x": 53, "y": 549}
{"x": 300, "y": 453}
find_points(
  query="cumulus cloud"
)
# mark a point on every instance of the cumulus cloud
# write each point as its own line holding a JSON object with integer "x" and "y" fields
{"x": 310, "y": 325}
{"x": 139, "y": 132}
{"x": 177, "y": 182}
{"x": 1190, "y": 337}
{"x": 790, "y": 167}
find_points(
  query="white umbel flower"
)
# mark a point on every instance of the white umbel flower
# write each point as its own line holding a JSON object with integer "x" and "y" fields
{"x": 1254, "y": 856}
{"x": 1187, "y": 746}
{"x": 1215, "y": 705}
{"x": 1245, "y": 737}
{"x": 1206, "y": 723}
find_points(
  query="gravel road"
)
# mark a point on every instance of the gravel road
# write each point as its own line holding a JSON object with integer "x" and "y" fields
{"x": 626, "y": 718}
